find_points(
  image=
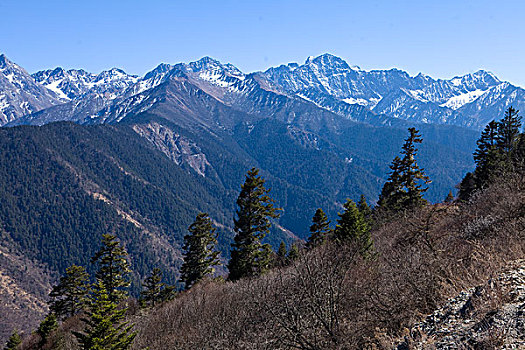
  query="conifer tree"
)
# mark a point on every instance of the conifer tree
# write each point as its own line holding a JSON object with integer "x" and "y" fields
{"x": 249, "y": 257}
{"x": 281, "y": 255}
{"x": 113, "y": 268}
{"x": 508, "y": 130}
{"x": 487, "y": 156}
{"x": 46, "y": 327}
{"x": 13, "y": 341}
{"x": 293, "y": 254}
{"x": 352, "y": 227}
{"x": 365, "y": 209}
{"x": 153, "y": 286}
{"x": 105, "y": 328}
{"x": 68, "y": 298}
{"x": 519, "y": 155}
{"x": 200, "y": 255}
{"x": 319, "y": 230}
{"x": 403, "y": 189}
{"x": 449, "y": 198}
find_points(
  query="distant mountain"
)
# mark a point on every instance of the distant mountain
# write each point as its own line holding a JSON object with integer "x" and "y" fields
{"x": 378, "y": 97}
{"x": 74, "y": 84}
{"x": 20, "y": 94}
{"x": 394, "y": 93}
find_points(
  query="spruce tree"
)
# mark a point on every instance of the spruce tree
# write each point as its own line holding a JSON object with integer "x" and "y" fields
{"x": 293, "y": 254}
{"x": 487, "y": 156}
{"x": 113, "y": 268}
{"x": 105, "y": 328}
{"x": 68, "y": 298}
{"x": 249, "y": 257}
{"x": 280, "y": 259}
{"x": 13, "y": 341}
{"x": 352, "y": 227}
{"x": 508, "y": 130}
{"x": 46, "y": 327}
{"x": 365, "y": 209}
{"x": 319, "y": 230}
{"x": 152, "y": 292}
{"x": 200, "y": 255}
{"x": 403, "y": 189}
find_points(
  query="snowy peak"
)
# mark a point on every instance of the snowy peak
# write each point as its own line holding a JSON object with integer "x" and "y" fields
{"x": 20, "y": 94}
{"x": 75, "y": 83}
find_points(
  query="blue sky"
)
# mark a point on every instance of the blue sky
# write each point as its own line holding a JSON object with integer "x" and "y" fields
{"x": 440, "y": 38}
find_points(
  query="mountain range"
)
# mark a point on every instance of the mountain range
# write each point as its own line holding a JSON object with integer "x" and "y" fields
{"x": 376, "y": 97}
{"x": 83, "y": 154}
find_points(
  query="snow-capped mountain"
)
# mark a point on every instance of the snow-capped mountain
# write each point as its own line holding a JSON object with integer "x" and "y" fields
{"x": 291, "y": 93}
{"x": 393, "y": 93}
{"x": 20, "y": 94}
{"x": 75, "y": 83}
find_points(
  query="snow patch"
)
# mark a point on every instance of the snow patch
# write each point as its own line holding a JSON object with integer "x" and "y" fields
{"x": 458, "y": 101}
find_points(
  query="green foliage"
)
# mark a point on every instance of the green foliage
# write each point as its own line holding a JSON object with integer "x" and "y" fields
{"x": 46, "y": 327}
{"x": 280, "y": 256}
{"x": 13, "y": 341}
{"x": 320, "y": 229}
{"x": 352, "y": 227}
{"x": 403, "y": 189}
{"x": 249, "y": 257}
{"x": 113, "y": 268}
{"x": 69, "y": 296}
{"x": 200, "y": 255}
{"x": 500, "y": 149}
{"x": 105, "y": 329}
{"x": 365, "y": 209}
{"x": 294, "y": 253}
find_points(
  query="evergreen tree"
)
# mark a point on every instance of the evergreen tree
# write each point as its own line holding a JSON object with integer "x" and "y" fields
{"x": 365, "y": 209}
{"x": 293, "y": 254}
{"x": 113, "y": 268}
{"x": 46, "y": 327}
{"x": 487, "y": 156}
{"x": 319, "y": 230}
{"x": 392, "y": 194}
{"x": 352, "y": 227}
{"x": 68, "y": 298}
{"x": 105, "y": 329}
{"x": 467, "y": 187}
{"x": 508, "y": 131}
{"x": 403, "y": 189}
{"x": 153, "y": 286}
{"x": 200, "y": 255}
{"x": 449, "y": 198}
{"x": 280, "y": 259}
{"x": 13, "y": 341}
{"x": 249, "y": 257}
{"x": 519, "y": 154}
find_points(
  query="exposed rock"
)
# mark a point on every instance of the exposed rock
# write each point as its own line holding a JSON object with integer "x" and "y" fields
{"x": 491, "y": 316}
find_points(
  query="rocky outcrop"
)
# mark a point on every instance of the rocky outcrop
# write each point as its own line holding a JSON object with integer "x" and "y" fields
{"x": 491, "y": 316}
{"x": 179, "y": 149}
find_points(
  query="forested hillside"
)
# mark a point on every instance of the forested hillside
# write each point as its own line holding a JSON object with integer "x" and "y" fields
{"x": 375, "y": 278}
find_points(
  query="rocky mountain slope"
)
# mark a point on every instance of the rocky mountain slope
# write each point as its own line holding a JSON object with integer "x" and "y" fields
{"x": 20, "y": 94}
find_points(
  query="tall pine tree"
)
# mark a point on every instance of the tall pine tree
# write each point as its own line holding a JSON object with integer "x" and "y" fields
{"x": 352, "y": 227}
{"x": 69, "y": 297}
{"x": 319, "y": 230}
{"x": 154, "y": 290}
{"x": 249, "y": 257}
{"x": 105, "y": 326}
{"x": 113, "y": 268}
{"x": 404, "y": 189}
{"x": 200, "y": 255}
